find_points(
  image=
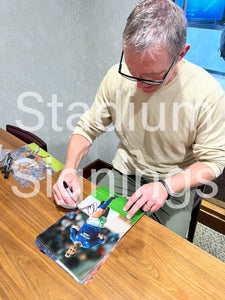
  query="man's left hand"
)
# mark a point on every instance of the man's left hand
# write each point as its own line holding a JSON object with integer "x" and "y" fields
{"x": 150, "y": 196}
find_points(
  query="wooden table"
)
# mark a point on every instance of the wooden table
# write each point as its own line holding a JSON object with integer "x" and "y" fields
{"x": 150, "y": 262}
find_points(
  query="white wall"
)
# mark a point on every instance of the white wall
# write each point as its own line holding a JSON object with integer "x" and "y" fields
{"x": 62, "y": 48}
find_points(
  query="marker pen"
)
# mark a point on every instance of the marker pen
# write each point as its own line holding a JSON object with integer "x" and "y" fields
{"x": 5, "y": 163}
{"x": 68, "y": 189}
{"x": 8, "y": 167}
{"x": 71, "y": 196}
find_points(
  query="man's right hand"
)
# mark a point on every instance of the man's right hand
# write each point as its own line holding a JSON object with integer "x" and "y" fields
{"x": 61, "y": 195}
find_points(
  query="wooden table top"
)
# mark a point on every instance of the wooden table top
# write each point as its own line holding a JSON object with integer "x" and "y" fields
{"x": 150, "y": 261}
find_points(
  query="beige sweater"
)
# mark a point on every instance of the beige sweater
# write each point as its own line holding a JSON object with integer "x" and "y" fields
{"x": 181, "y": 123}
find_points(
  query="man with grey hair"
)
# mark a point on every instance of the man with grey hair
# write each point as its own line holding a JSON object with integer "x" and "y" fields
{"x": 168, "y": 114}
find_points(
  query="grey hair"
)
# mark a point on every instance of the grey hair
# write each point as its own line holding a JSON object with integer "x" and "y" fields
{"x": 158, "y": 24}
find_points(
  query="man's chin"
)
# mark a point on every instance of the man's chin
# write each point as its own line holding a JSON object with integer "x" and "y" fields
{"x": 150, "y": 89}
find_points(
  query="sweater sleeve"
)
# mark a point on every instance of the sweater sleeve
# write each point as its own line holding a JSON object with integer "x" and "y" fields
{"x": 209, "y": 146}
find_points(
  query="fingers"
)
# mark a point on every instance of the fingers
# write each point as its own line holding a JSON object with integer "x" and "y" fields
{"x": 131, "y": 200}
{"x": 67, "y": 198}
{"x": 135, "y": 202}
{"x": 153, "y": 208}
{"x": 134, "y": 209}
{"x": 148, "y": 197}
{"x": 147, "y": 206}
{"x": 140, "y": 203}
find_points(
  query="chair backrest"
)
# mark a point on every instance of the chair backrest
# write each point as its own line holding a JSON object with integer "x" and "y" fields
{"x": 220, "y": 183}
{"x": 195, "y": 210}
{"x": 26, "y": 136}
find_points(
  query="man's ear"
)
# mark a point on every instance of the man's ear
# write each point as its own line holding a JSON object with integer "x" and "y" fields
{"x": 184, "y": 51}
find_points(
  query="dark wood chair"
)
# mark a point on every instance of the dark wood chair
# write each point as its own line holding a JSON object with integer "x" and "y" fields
{"x": 195, "y": 212}
{"x": 26, "y": 136}
{"x": 212, "y": 213}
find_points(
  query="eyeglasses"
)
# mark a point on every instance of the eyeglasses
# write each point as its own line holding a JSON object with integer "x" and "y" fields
{"x": 146, "y": 81}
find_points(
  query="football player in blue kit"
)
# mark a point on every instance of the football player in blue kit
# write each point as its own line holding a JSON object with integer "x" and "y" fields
{"x": 90, "y": 233}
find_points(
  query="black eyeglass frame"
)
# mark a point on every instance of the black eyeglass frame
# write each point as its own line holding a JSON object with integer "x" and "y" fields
{"x": 146, "y": 81}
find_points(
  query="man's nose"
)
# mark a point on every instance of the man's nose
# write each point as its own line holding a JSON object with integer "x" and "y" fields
{"x": 140, "y": 84}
